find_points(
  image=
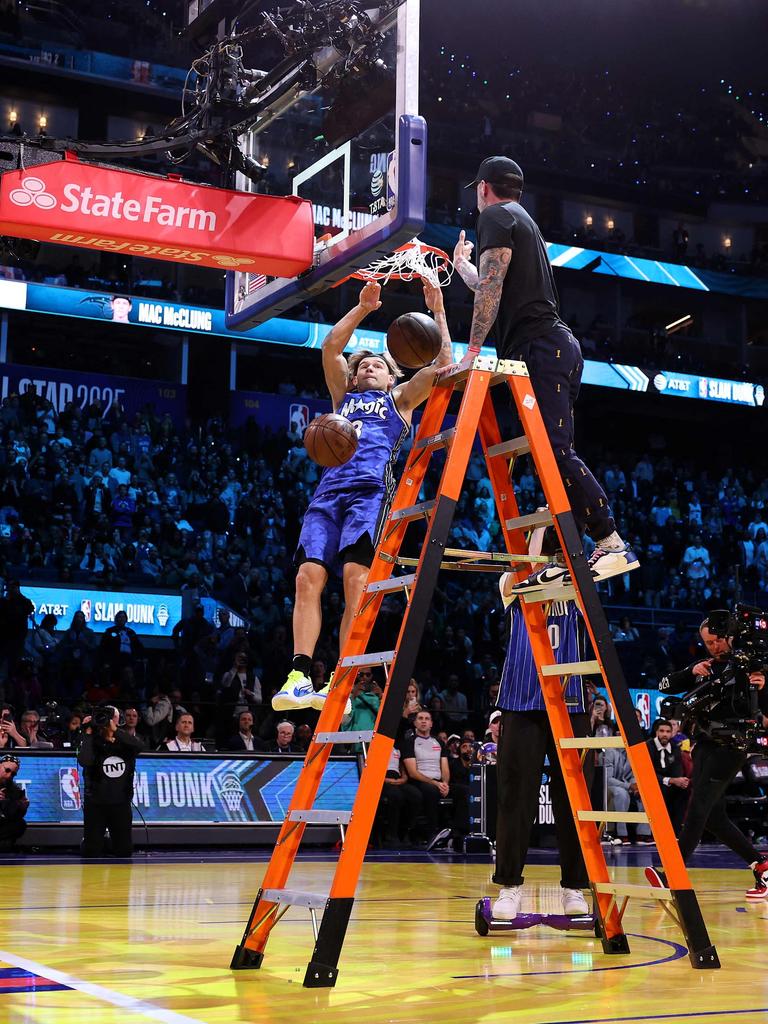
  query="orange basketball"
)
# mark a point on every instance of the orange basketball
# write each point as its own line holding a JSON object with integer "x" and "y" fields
{"x": 414, "y": 340}
{"x": 330, "y": 440}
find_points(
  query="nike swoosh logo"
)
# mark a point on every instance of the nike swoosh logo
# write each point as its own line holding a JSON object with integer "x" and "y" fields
{"x": 545, "y": 577}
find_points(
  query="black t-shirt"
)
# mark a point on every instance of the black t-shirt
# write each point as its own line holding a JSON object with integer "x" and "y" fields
{"x": 529, "y": 304}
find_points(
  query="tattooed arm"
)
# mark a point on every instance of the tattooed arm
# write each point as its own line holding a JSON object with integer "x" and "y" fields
{"x": 494, "y": 264}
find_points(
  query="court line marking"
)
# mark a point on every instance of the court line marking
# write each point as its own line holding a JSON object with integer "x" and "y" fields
{"x": 664, "y": 1016}
{"x": 107, "y": 995}
{"x": 677, "y": 953}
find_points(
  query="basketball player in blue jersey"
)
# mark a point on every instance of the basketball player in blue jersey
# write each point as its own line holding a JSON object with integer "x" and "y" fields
{"x": 343, "y": 520}
{"x": 525, "y": 737}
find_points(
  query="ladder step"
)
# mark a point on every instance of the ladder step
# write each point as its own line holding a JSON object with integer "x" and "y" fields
{"x": 313, "y": 817}
{"x": 364, "y": 660}
{"x": 547, "y": 594}
{"x": 344, "y": 737}
{"x": 591, "y": 742}
{"x": 294, "y": 898}
{"x": 627, "y": 889}
{"x": 441, "y": 440}
{"x": 638, "y": 817}
{"x": 393, "y": 583}
{"x": 517, "y": 446}
{"x": 525, "y": 522}
{"x": 413, "y": 511}
{"x": 460, "y": 372}
{"x": 571, "y": 668}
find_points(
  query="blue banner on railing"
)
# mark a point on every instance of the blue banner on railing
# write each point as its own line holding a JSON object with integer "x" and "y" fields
{"x": 149, "y": 613}
{"x": 187, "y": 788}
{"x": 302, "y": 334}
{"x": 83, "y": 389}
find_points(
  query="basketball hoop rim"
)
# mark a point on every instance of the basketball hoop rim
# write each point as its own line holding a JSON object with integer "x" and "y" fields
{"x": 364, "y": 274}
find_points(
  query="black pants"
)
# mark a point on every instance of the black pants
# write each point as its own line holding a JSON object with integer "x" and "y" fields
{"x": 11, "y": 831}
{"x": 714, "y": 768}
{"x": 555, "y": 364}
{"x": 676, "y": 800}
{"x": 97, "y": 818}
{"x": 525, "y": 738}
{"x": 403, "y": 806}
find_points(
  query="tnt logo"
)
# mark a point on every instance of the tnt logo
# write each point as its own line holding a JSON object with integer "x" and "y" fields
{"x": 69, "y": 789}
{"x": 85, "y": 608}
{"x": 32, "y": 193}
{"x": 114, "y": 767}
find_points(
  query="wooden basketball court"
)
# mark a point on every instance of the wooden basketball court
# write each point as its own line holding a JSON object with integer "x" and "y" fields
{"x": 152, "y": 941}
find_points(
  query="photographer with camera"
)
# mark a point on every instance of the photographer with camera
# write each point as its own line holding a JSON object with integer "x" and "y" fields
{"x": 108, "y": 757}
{"x": 725, "y": 696}
{"x": 10, "y": 736}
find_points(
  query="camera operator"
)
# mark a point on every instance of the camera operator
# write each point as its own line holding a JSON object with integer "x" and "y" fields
{"x": 108, "y": 756}
{"x": 717, "y": 757}
{"x": 13, "y": 803}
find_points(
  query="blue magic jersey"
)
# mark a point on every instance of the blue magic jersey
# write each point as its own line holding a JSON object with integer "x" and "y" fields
{"x": 381, "y": 430}
{"x": 520, "y": 689}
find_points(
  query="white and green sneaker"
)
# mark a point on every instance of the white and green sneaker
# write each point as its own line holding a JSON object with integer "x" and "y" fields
{"x": 296, "y": 694}
{"x": 319, "y": 698}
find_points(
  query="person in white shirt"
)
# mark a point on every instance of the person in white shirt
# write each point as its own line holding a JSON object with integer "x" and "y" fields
{"x": 182, "y": 742}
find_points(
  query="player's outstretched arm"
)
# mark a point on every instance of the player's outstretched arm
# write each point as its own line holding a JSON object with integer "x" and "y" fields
{"x": 335, "y": 341}
{"x": 416, "y": 390}
{"x": 494, "y": 264}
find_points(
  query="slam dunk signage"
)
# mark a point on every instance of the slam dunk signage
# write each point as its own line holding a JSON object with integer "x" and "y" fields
{"x": 149, "y": 613}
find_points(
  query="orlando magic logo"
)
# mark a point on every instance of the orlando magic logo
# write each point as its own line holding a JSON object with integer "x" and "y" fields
{"x": 371, "y": 407}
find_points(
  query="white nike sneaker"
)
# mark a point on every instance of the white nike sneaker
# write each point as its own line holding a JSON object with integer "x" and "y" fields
{"x": 318, "y": 698}
{"x": 507, "y": 906}
{"x": 550, "y": 576}
{"x": 574, "y": 904}
{"x": 605, "y": 564}
{"x": 296, "y": 694}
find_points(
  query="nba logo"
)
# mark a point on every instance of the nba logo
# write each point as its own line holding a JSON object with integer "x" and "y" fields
{"x": 69, "y": 789}
{"x": 85, "y": 608}
{"x": 644, "y": 707}
{"x": 298, "y": 418}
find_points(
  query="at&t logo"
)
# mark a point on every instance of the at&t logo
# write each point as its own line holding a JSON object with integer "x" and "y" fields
{"x": 32, "y": 193}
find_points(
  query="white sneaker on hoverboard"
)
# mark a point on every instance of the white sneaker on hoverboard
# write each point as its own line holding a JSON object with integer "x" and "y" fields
{"x": 507, "y": 906}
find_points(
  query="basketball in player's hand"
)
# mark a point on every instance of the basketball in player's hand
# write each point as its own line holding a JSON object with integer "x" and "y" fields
{"x": 414, "y": 340}
{"x": 330, "y": 440}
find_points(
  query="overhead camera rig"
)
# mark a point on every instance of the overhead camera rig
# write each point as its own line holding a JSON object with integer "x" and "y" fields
{"x": 324, "y": 44}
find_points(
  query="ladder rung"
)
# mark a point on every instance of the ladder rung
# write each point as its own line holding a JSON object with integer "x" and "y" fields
{"x": 294, "y": 898}
{"x": 547, "y": 594}
{"x": 313, "y": 817}
{"x": 627, "y": 889}
{"x": 533, "y": 519}
{"x": 571, "y": 668}
{"x": 393, "y": 583}
{"x": 344, "y": 737}
{"x": 364, "y": 660}
{"x": 591, "y": 742}
{"x": 440, "y": 440}
{"x": 460, "y": 374}
{"x": 639, "y": 817}
{"x": 413, "y": 511}
{"x": 517, "y": 446}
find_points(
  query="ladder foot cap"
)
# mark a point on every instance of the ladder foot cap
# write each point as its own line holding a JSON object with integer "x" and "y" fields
{"x": 618, "y": 944}
{"x": 705, "y": 959}
{"x": 245, "y": 959}
{"x": 320, "y": 975}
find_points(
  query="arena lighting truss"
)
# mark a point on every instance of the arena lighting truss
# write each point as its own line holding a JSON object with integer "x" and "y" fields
{"x": 323, "y": 44}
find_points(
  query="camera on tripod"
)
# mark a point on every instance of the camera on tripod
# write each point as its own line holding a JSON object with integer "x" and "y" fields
{"x": 725, "y": 708}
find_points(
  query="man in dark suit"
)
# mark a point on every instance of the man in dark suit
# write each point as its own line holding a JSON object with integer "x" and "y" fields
{"x": 245, "y": 738}
{"x": 668, "y": 765}
{"x": 283, "y": 743}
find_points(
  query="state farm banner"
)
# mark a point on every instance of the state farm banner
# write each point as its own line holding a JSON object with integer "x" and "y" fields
{"x": 63, "y": 386}
{"x": 81, "y": 204}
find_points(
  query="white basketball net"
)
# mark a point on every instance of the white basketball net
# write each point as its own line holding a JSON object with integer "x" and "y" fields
{"x": 408, "y": 264}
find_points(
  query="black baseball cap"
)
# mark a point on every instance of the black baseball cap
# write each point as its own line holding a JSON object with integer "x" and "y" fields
{"x": 499, "y": 170}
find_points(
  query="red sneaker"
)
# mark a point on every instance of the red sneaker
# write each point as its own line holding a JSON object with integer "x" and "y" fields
{"x": 760, "y": 889}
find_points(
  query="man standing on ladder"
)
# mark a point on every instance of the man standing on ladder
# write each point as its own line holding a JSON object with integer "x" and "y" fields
{"x": 343, "y": 520}
{"x": 515, "y": 289}
{"x": 525, "y": 737}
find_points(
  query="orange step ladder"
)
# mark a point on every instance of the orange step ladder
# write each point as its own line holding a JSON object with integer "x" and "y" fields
{"x": 476, "y": 417}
